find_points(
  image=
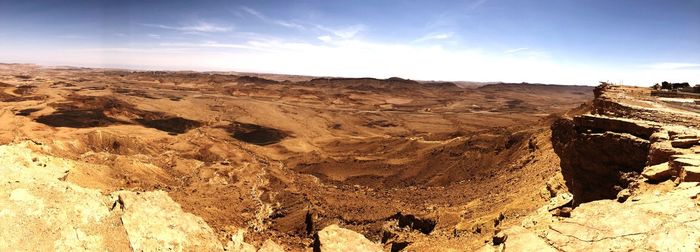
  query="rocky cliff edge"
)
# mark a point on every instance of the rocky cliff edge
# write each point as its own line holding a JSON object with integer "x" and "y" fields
{"x": 632, "y": 167}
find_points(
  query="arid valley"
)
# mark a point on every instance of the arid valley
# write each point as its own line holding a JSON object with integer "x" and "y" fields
{"x": 349, "y": 126}
{"x": 108, "y": 159}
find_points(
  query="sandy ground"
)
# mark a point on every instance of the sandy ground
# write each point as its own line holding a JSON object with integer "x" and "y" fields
{"x": 402, "y": 162}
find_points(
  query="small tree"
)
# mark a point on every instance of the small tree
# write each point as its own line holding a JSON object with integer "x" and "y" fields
{"x": 666, "y": 85}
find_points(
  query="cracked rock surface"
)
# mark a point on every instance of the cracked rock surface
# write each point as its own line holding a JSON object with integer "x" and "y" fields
{"x": 667, "y": 221}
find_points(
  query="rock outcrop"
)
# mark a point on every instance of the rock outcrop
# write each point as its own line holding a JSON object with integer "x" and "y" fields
{"x": 602, "y": 153}
{"x": 597, "y": 154}
{"x": 334, "y": 238}
{"x": 237, "y": 243}
{"x": 661, "y": 221}
{"x": 667, "y": 221}
{"x": 270, "y": 246}
{"x": 41, "y": 212}
{"x": 659, "y": 172}
{"x": 687, "y": 166}
{"x": 602, "y": 157}
{"x": 167, "y": 226}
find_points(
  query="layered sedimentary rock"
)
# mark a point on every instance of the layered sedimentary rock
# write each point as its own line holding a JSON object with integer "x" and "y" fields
{"x": 636, "y": 149}
{"x": 599, "y": 153}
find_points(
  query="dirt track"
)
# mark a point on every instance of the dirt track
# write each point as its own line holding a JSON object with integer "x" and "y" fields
{"x": 402, "y": 162}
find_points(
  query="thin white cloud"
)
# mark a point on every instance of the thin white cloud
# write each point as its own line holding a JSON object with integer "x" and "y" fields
{"x": 347, "y": 32}
{"x": 476, "y": 4}
{"x": 435, "y": 36}
{"x": 290, "y": 24}
{"x": 673, "y": 66}
{"x": 356, "y": 58}
{"x": 214, "y": 44}
{"x": 205, "y": 27}
{"x": 152, "y": 35}
{"x": 70, "y": 36}
{"x": 515, "y": 50}
{"x": 361, "y": 58}
{"x": 337, "y": 57}
{"x": 259, "y": 15}
{"x": 325, "y": 38}
{"x": 201, "y": 26}
{"x": 120, "y": 50}
{"x": 253, "y": 12}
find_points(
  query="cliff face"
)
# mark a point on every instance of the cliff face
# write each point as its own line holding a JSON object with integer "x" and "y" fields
{"x": 603, "y": 154}
{"x": 598, "y": 159}
{"x": 633, "y": 168}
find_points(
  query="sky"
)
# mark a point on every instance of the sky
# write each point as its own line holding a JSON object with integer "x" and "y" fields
{"x": 636, "y": 42}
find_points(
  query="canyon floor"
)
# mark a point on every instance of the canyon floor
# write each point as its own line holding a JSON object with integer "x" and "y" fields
{"x": 107, "y": 159}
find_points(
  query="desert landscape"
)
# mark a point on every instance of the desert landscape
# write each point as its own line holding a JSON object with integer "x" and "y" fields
{"x": 401, "y": 162}
{"x": 120, "y": 160}
{"x": 349, "y": 126}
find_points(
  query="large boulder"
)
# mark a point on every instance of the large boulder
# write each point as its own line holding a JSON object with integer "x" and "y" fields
{"x": 688, "y": 166}
{"x": 270, "y": 246}
{"x": 684, "y": 143}
{"x": 237, "y": 243}
{"x": 153, "y": 221}
{"x": 662, "y": 151}
{"x": 334, "y": 238}
{"x": 690, "y": 174}
{"x": 659, "y": 172}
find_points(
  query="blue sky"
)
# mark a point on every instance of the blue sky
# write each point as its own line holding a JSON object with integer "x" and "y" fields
{"x": 553, "y": 41}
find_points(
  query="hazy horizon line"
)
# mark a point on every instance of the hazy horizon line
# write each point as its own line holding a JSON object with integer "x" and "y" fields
{"x": 200, "y": 70}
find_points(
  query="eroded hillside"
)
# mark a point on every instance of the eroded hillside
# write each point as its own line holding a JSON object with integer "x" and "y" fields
{"x": 223, "y": 161}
